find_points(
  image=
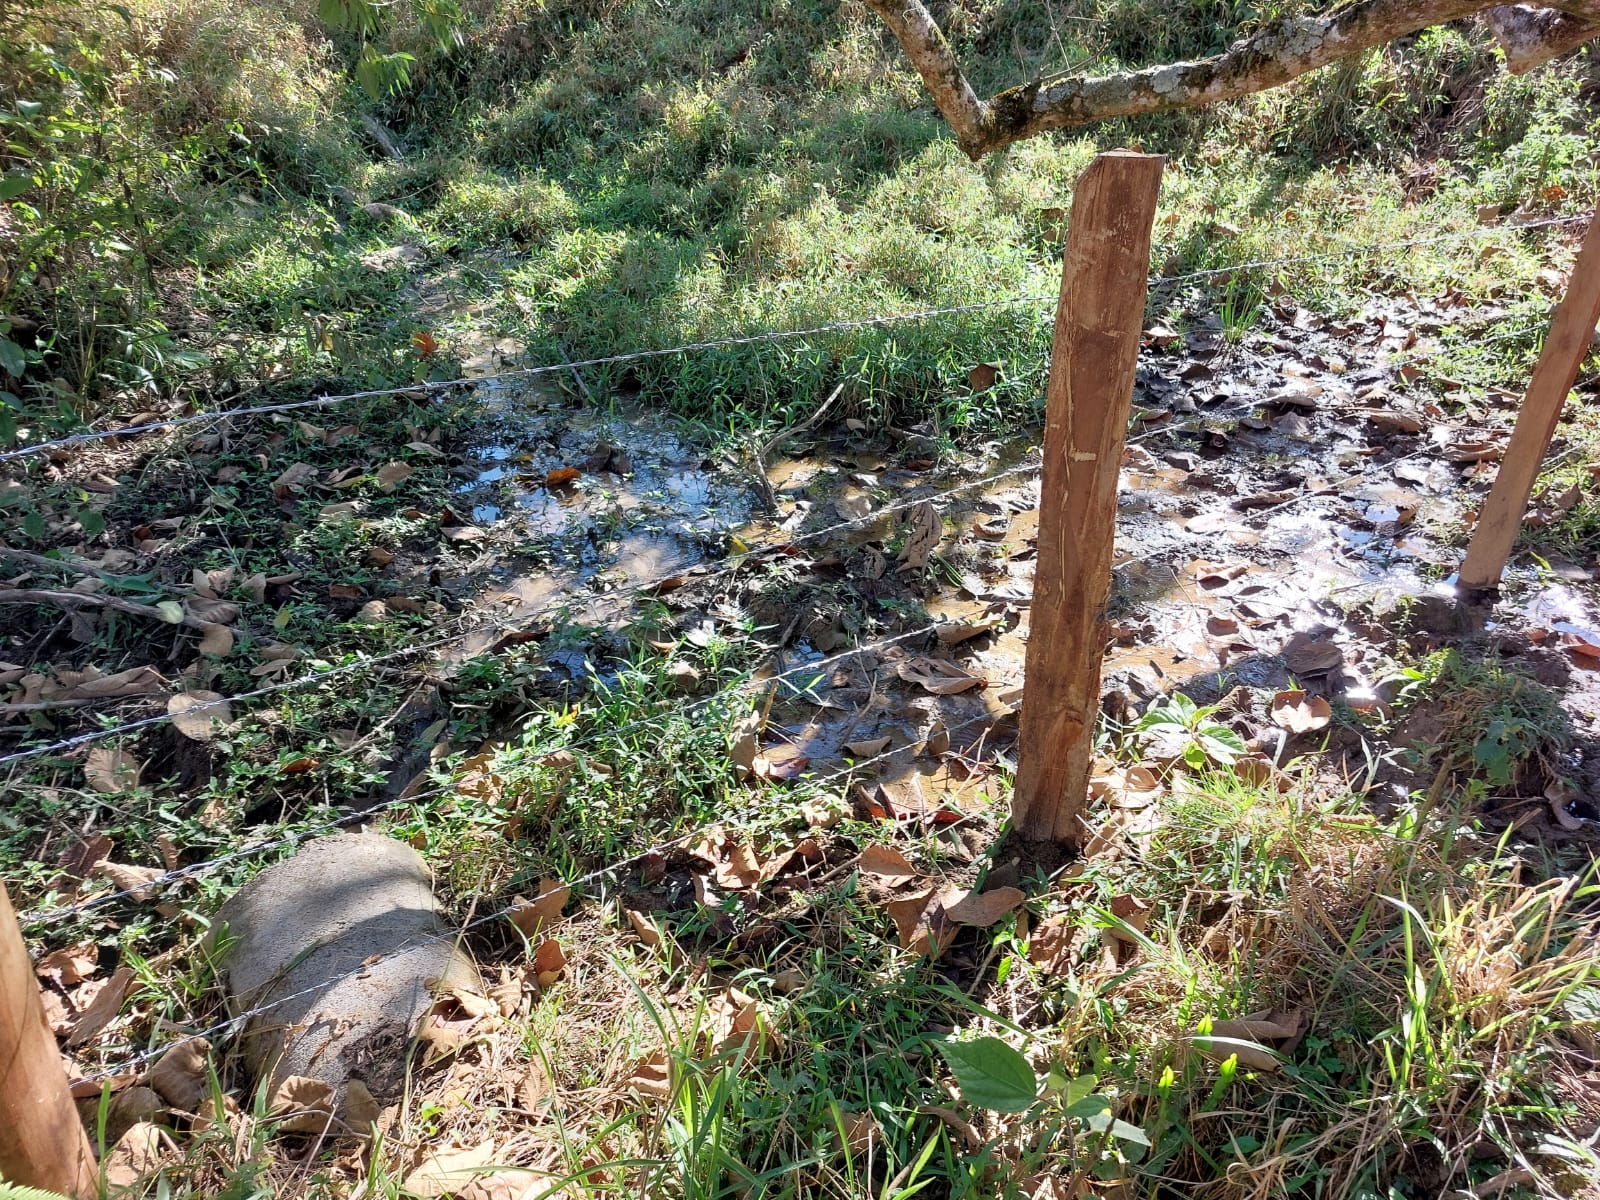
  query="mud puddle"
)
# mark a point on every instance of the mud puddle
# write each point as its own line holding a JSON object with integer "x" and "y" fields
{"x": 1273, "y": 500}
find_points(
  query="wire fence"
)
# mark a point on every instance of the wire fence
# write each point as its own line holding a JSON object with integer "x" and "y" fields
{"x": 194, "y": 870}
{"x": 730, "y": 690}
{"x": 614, "y": 598}
{"x": 737, "y": 691}
{"x": 425, "y": 388}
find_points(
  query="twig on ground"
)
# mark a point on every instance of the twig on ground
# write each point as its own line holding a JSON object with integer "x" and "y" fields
{"x": 58, "y": 564}
{"x": 7, "y": 710}
{"x": 95, "y": 600}
{"x": 763, "y": 454}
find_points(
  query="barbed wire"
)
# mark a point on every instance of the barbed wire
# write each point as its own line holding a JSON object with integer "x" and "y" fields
{"x": 194, "y": 869}
{"x": 235, "y": 1022}
{"x": 428, "y": 387}
{"x": 614, "y": 598}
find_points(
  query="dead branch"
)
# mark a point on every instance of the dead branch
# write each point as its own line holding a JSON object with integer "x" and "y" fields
{"x": 95, "y": 600}
{"x": 1277, "y": 53}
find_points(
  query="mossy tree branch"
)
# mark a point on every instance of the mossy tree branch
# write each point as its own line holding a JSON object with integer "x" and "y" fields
{"x": 1270, "y": 57}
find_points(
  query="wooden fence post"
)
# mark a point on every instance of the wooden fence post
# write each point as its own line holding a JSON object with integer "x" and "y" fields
{"x": 1571, "y": 329}
{"x": 1099, "y": 319}
{"x": 42, "y": 1142}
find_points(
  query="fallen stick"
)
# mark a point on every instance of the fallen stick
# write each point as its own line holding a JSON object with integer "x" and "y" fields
{"x": 94, "y": 600}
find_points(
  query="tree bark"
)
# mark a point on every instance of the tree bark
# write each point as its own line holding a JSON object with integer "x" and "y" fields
{"x": 1274, "y": 55}
{"x": 42, "y": 1142}
{"x": 1531, "y": 37}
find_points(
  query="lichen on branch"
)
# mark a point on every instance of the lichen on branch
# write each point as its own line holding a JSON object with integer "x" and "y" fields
{"x": 1274, "y": 55}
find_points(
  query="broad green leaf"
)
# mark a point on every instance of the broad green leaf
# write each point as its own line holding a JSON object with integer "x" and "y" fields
{"x": 1089, "y": 1107}
{"x": 992, "y": 1075}
{"x": 1078, "y": 1088}
{"x": 1128, "y": 1132}
{"x": 12, "y": 358}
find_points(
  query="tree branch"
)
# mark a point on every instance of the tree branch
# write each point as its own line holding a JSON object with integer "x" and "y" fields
{"x": 1531, "y": 37}
{"x": 1282, "y": 51}
{"x": 96, "y": 600}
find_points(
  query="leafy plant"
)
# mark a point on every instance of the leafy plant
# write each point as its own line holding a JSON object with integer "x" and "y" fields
{"x": 1179, "y": 725}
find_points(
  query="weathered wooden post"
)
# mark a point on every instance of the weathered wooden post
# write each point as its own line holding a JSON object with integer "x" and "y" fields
{"x": 1571, "y": 329}
{"x": 1098, "y": 322}
{"x": 42, "y": 1142}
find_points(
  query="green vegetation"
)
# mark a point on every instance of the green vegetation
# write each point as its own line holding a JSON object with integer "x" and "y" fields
{"x": 186, "y": 187}
{"x": 1255, "y": 988}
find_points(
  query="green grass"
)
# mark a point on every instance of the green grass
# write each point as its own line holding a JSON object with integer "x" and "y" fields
{"x": 589, "y": 178}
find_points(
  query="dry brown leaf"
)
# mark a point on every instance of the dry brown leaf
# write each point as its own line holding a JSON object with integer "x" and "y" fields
{"x": 216, "y": 639}
{"x": 907, "y": 915}
{"x": 391, "y": 474}
{"x": 449, "y": 1171}
{"x": 1299, "y": 713}
{"x": 444, "y": 1029}
{"x": 984, "y": 909}
{"x": 535, "y": 1088}
{"x": 135, "y": 681}
{"x": 136, "y": 1155}
{"x": 860, "y": 1131}
{"x": 887, "y": 863}
{"x": 125, "y": 878}
{"x": 180, "y": 1077}
{"x": 1254, "y": 1038}
{"x": 646, "y": 929}
{"x": 70, "y": 965}
{"x": 107, "y": 770}
{"x": 868, "y": 748}
{"x": 938, "y": 676}
{"x": 652, "y": 1076}
{"x": 739, "y": 1025}
{"x": 953, "y": 633}
{"x": 549, "y": 960}
{"x": 1309, "y": 656}
{"x": 852, "y": 508}
{"x": 744, "y": 741}
{"x": 873, "y": 563}
{"x": 302, "y": 1105}
{"x": 473, "y": 1004}
{"x": 924, "y": 531}
{"x": 361, "y": 1111}
{"x": 1051, "y": 944}
{"x": 1560, "y": 794}
{"x": 788, "y": 981}
{"x": 512, "y": 1183}
{"x": 103, "y": 1009}
{"x": 507, "y": 994}
{"x": 199, "y": 715}
{"x": 57, "y": 1014}
{"x": 544, "y": 909}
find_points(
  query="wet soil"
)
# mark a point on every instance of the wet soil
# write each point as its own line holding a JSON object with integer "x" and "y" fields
{"x": 1291, "y": 509}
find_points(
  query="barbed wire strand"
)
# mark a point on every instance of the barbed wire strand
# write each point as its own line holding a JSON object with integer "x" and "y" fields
{"x": 428, "y": 387}
{"x": 614, "y": 598}
{"x": 235, "y": 1022}
{"x": 195, "y": 869}
{"x": 192, "y": 870}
